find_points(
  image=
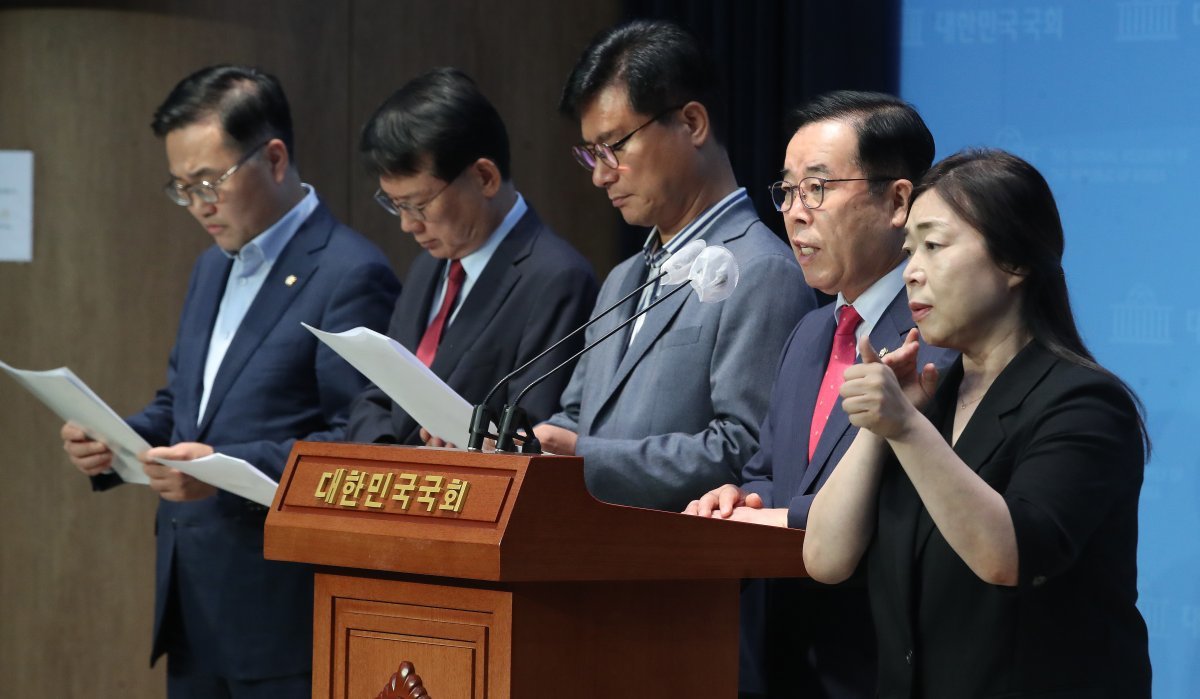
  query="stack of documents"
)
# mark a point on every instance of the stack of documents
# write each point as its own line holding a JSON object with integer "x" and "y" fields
{"x": 388, "y": 364}
{"x": 73, "y": 401}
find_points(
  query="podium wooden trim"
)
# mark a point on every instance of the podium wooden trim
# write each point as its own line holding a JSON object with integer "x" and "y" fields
{"x": 524, "y": 586}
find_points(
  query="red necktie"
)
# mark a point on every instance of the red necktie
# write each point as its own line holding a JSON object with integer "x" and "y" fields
{"x": 840, "y": 357}
{"x": 433, "y": 334}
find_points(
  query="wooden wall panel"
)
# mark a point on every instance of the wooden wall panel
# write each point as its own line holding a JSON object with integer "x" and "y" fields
{"x": 78, "y": 85}
{"x": 111, "y": 263}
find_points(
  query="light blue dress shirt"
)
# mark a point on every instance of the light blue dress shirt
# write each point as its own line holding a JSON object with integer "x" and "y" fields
{"x": 251, "y": 265}
{"x": 872, "y": 303}
{"x": 476, "y": 262}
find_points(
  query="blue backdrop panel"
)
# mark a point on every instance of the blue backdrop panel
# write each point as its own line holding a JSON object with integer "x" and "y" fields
{"x": 1103, "y": 97}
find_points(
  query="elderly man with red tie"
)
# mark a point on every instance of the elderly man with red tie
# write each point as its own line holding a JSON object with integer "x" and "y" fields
{"x": 848, "y": 177}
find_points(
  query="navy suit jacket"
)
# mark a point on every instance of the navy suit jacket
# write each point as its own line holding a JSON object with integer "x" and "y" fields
{"x": 818, "y": 638}
{"x": 276, "y": 384}
{"x": 535, "y": 289}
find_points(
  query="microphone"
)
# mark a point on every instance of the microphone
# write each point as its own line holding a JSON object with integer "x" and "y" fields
{"x": 713, "y": 276}
{"x": 675, "y": 270}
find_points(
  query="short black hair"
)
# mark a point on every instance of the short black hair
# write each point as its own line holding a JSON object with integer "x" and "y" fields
{"x": 249, "y": 103}
{"x": 893, "y": 140}
{"x": 440, "y": 115}
{"x": 660, "y": 64}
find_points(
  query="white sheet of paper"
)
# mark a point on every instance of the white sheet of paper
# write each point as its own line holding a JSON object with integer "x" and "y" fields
{"x": 16, "y": 206}
{"x": 229, "y": 473}
{"x": 71, "y": 399}
{"x": 398, "y": 373}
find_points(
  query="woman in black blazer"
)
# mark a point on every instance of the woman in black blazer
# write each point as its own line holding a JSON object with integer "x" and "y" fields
{"x": 997, "y": 513}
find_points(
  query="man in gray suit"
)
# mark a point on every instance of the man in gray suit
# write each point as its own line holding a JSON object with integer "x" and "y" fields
{"x": 671, "y": 407}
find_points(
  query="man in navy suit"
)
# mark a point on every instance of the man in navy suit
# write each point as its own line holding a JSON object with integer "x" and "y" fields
{"x": 494, "y": 285}
{"x": 244, "y": 379}
{"x": 848, "y": 176}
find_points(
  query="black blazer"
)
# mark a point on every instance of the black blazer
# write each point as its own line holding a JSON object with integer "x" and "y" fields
{"x": 535, "y": 289}
{"x": 818, "y": 639}
{"x": 1062, "y": 444}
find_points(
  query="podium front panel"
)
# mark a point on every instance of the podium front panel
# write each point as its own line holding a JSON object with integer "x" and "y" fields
{"x": 363, "y": 628}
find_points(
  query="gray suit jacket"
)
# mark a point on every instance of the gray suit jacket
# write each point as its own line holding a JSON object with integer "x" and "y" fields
{"x": 678, "y": 412}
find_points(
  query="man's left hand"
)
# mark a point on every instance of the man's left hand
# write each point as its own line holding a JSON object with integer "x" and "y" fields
{"x": 773, "y": 517}
{"x": 430, "y": 441}
{"x": 172, "y": 484}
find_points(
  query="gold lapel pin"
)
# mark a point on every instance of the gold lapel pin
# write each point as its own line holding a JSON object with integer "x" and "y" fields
{"x": 291, "y": 279}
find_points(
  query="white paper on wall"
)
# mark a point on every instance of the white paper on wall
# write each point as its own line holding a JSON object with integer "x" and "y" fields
{"x": 16, "y": 206}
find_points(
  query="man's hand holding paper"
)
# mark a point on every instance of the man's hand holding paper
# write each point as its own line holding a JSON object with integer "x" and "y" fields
{"x": 90, "y": 456}
{"x": 171, "y": 483}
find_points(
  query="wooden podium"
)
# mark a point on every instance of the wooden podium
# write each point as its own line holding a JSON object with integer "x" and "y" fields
{"x": 499, "y": 576}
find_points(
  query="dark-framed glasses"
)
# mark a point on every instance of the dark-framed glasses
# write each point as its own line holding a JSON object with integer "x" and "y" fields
{"x": 588, "y": 154}
{"x": 181, "y": 194}
{"x": 811, "y": 189}
{"x": 415, "y": 211}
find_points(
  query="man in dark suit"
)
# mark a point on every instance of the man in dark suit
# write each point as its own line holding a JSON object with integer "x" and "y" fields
{"x": 671, "y": 406}
{"x": 244, "y": 379}
{"x": 494, "y": 285}
{"x": 848, "y": 177}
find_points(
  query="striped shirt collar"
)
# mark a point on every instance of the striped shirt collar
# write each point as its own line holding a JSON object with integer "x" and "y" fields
{"x": 655, "y": 254}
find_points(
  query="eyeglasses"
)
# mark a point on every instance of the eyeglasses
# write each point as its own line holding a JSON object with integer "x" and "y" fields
{"x": 415, "y": 211}
{"x": 812, "y": 190}
{"x": 588, "y": 154}
{"x": 181, "y": 193}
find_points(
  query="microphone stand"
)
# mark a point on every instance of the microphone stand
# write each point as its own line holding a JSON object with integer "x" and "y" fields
{"x": 514, "y": 417}
{"x": 482, "y": 416}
